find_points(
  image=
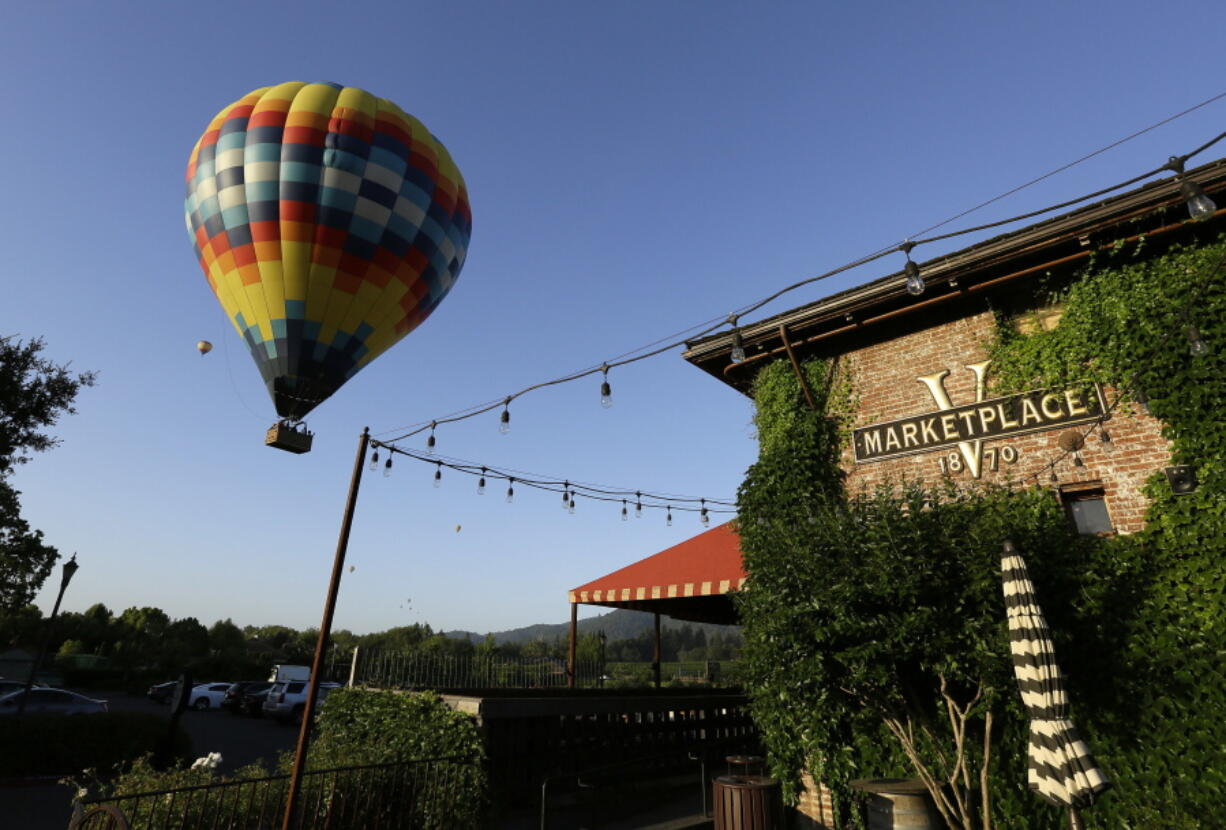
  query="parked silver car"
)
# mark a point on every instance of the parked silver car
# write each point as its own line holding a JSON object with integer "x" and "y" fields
{"x": 286, "y": 701}
{"x": 52, "y": 701}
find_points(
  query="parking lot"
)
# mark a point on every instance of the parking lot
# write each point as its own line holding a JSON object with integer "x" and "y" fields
{"x": 241, "y": 740}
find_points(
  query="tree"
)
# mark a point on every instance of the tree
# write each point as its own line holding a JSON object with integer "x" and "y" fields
{"x": 25, "y": 562}
{"x": 34, "y": 393}
{"x": 226, "y": 639}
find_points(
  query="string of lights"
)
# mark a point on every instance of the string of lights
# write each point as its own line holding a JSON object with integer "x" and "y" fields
{"x": 638, "y": 500}
{"x": 635, "y": 501}
{"x": 1199, "y": 205}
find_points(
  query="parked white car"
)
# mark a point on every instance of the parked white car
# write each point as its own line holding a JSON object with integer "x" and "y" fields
{"x": 286, "y": 701}
{"x": 52, "y": 701}
{"x": 208, "y": 695}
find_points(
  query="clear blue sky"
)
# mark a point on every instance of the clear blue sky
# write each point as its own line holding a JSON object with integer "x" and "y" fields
{"x": 634, "y": 169}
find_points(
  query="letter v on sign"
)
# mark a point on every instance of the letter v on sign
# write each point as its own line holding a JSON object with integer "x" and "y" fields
{"x": 972, "y": 451}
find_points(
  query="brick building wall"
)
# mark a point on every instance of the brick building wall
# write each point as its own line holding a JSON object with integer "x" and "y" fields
{"x": 884, "y": 376}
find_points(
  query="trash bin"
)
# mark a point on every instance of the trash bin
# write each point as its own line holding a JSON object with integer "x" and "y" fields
{"x": 747, "y": 802}
{"x": 898, "y": 804}
{"x": 746, "y": 764}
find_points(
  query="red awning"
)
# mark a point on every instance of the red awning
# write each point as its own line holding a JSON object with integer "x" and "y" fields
{"x": 690, "y": 581}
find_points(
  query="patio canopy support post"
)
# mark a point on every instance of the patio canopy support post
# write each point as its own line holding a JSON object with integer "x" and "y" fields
{"x": 655, "y": 654}
{"x": 325, "y": 631}
{"x": 570, "y": 651}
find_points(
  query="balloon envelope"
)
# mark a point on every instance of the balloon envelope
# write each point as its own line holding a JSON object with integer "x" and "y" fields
{"x": 204, "y": 346}
{"x": 329, "y": 224}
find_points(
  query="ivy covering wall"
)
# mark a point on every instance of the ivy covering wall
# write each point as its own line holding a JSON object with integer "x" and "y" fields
{"x": 876, "y": 641}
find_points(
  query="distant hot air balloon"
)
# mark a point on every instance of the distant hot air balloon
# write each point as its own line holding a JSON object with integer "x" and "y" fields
{"x": 204, "y": 346}
{"x": 330, "y": 224}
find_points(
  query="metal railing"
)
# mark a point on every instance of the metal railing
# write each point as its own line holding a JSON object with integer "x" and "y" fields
{"x": 430, "y": 794}
{"x": 422, "y": 670}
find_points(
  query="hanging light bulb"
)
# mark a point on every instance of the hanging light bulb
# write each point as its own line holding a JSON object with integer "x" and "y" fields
{"x": 915, "y": 283}
{"x": 387, "y": 466}
{"x": 511, "y": 490}
{"x": 430, "y": 440}
{"x": 738, "y": 348}
{"x": 504, "y": 424}
{"x": 738, "y": 345}
{"x": 669, "y": 515}
{"x": 638, "y": 505}
{"x": 1200, "y": 206}
{"x": 374, "y": 461}
{"x": 606, "y": 391}
{"x": 1077, "y": 462}
{"x": 1105, "y": 441}
{"x": 438, "y": 474}
{"x": 570, "y": 505}
{"x": 1197, "y": 346}
{"x": 1054, "y": 478}
{"x": 481, "y": 483}
{"x": 706, "y": 519}
{"x": 625, "y": 513}
{"x": 565, "y": 494}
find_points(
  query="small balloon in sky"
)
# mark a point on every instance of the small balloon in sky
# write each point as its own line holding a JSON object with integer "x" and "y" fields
{"x": 204, "y": 346}
{"x": 457, "y": 528}
{"x": 351, "y": 567}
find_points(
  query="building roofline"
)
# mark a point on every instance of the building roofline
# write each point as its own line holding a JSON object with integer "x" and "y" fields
{"x": 1156, "y": 207}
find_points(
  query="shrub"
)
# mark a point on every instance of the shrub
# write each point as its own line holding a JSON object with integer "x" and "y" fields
{"x": 361, "y": 726}
{"x": 355, "y": 728}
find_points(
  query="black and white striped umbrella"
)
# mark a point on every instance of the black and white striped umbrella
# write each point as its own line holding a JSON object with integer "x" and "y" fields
{"x": 1062, "y": 771}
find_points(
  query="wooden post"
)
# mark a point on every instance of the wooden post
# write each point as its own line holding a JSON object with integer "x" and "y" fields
{"x": 325, "y": 630}
{"x": 570, "y": 654}
{"x": 655, "y": 656}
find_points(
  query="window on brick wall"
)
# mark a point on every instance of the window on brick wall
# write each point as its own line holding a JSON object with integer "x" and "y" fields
{"x": 1086, "y": 507}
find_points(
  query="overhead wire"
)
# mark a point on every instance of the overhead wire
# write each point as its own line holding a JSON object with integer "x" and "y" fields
{"x": 1073, "y": 164}
{"x": 705, "y": 506}
{"x": 644, "y": 498}
{"x": 710, "y": 326}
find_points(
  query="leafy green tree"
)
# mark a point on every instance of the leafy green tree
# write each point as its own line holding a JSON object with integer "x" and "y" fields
{"x": 226, "y": 639}
{"x": 20, "y": 625}
{"x": 186, "y": 638}
{"x": 34, "y": 393}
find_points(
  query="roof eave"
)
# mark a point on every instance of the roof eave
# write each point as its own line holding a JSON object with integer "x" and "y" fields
{"x": 957, "y": 275}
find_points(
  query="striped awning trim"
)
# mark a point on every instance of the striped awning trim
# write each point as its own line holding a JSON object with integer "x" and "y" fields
{"x": 643, "y": 592}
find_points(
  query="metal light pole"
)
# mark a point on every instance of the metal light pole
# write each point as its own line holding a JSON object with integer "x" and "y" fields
{"x": 325, "y": 630}
{"x": 70, "y": 568}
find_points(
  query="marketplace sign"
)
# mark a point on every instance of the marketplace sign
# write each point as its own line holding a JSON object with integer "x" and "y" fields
{"x": 969, "y": 425}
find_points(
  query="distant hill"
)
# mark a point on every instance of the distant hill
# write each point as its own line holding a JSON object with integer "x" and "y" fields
{"x": 621, "y": 624}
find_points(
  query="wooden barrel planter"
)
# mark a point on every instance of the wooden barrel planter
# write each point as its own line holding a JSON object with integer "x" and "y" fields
{"x": 898, "y": 804}
{"x": 747, "y": 802}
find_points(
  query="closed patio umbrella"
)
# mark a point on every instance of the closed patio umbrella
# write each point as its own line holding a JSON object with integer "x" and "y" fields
{"x": 1061, "y": 769}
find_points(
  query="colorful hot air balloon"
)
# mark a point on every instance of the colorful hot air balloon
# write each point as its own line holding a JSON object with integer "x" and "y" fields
{"x": 204, "y": 347}
{"x": 329, "y": 224}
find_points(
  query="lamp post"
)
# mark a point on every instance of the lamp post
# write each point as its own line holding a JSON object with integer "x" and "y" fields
{"x": 70, "y": 568}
